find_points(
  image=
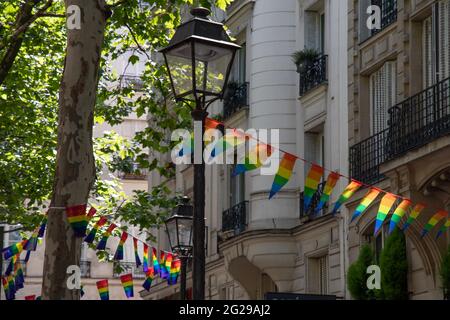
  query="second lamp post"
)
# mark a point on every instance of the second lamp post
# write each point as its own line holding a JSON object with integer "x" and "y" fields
{"x": 199, "y": 59}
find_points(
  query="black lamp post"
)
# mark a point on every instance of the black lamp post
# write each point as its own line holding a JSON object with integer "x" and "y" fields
{"x": 179, "y": 231}
{"x": 199, "y": 59}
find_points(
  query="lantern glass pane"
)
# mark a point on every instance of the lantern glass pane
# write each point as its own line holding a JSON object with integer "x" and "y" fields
{"x": 180, "y": 68}
{"x": 184, "y": 231}
{"x": 172, "y": 232}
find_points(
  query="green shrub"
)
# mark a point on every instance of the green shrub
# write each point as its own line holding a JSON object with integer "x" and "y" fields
{"x": 445, "y": 274}
{"x": 357, "y": 275}
{"x": 394, "y": 268}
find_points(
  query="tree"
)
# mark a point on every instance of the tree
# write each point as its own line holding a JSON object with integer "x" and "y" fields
{"x": 357, "y": 275}
{"x": 445, "y": 275}
{"x": 394, "y": 268}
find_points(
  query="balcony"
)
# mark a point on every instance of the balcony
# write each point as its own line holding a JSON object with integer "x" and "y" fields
{"x": 234, "y": 220}
{"x": 85, "y": 268}
{"x": 413, "y": 123}
{"x": 313, "y": 74}
{"x": 127, "y": 267}
{"x": 388, "y": 13}
{"x": 310, "y": 214}
{"x": 236, "y": 98}
{"x": 132, "y": 82}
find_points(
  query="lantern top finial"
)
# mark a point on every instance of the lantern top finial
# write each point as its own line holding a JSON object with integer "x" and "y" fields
{"x": 200, "y": 12}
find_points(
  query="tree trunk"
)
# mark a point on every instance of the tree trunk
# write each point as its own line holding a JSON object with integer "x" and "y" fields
{"x": 75, "y": 167}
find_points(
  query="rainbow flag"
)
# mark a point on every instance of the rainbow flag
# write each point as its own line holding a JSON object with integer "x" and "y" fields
{"x": 127, "y": 284}
{"x": 76, "y": 216}
{"x": 156, "y": 266}
{"x": 162, "y": 262}
{"x": 284, "y": 173}
{"x": 332, "y": 179}
{"x": 91, "y": 236}
{"x": 10, "y": 267}
{"x": 8, "y": 287}
{"x": 19, "y": 279}
{"x": 27, "y": 257}
{"x": 103, "y": 290}
{"x": 145, "y": 258}
{"x": 136, "y": 253}
{"x": 167, "y": 265}
{"x": 32, "y": 241}
{"x": 256, "y": 158}
{"x": 444, "y": 227}
{"x": 366, "y": 201}
{"x": 188, "y": 146}
{"x": 150, "y": 275}
{"x": 14, "y": 249}
{"x": 438, "y": 216}
{"x": 102, "y": 244}
{"x": 174, "y": 272}
{"x": 119, "y": 252}
{"x": 228, "y": 141}
{"x": 42, "y": 227}
{"x": 385, "y": 206}
{"x": 91, "y": 213}
{"x": 398, "y": 214}
{"x": 413, "y": 216}
{"x": 311, "y": 185}
{"x": 348, "y": 192}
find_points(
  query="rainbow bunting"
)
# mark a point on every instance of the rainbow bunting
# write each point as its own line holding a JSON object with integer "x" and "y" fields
{"x": 27, "y": 257}
{"x": 188, "y": 146}
{"x": 366, "y": 201}
{"x": 82, "y": 291}
{"x": 103, "y": 290}
{"x": 14, "y": 249}
{"x": 398, "y": 214}
{"x": 348, "y": 192}
{"x": 102, "y": 244}
{"x": 77, "y": 219}
{"x": 162, "y": 263}
{"x": 19, "y": 279}
{"x": 10, "y": 267}
{"x": 444, "y": 227}
{"x": 385, "y": 206}
{"x": 150, "y": 275}
{"x": 284, "y": 173}
{"x": 174, "y": 272}
{"x": 228, "y": 141}
{"x": 127, "y": 284}
{"x": 119, "y": 252}
{"x": 145, "y": 259}
{"x": 91, "y": 213}
{"x": 332, "y": 179}
{"x": 91, "y": 236}
{"x": 413, "y": 216}
{"x": 42, "y": 227}
{"x": 8, "y": 287}
{"x": 31, "y": 297}
{"x": 167, "y": 265}
{"x": 136, "y": 253}
{"x": 438, "y": 216}
{"x": 156, "y": 266}
{"x": 256, "y": 158}
{"x": 32, "y": 241}
{"x": 311, "y": 185}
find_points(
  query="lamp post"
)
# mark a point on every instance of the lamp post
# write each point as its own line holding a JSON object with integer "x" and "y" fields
{"x": 199, "y": 59}
{"x": 179, "y": 231}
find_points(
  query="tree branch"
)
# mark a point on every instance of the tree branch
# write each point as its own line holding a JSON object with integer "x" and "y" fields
{"x": 118, "y": 3}
{"x": 135, "y": 40}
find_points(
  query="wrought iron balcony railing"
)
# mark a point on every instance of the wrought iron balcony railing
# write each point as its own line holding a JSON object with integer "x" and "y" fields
{"x": 133, "y": 82}
{"x": 413, "y": 123}
{"x": 388, "y": 13}
{"x": 235, "y": 99}
{"x": 128, "y": 267}
{"x": 313, "y": 74}
{"x": 85, "y": 268}
{"x": 235, "y": 218}
{"x": 311, "y": 212}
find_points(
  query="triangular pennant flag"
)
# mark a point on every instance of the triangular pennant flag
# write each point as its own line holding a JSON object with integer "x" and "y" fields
{"x": 119, "y": 252}
{"x": 91, "y": 213}
{"x": 413, "y": 216}
{"x": 332, "y": 179}
{"x": 385, "y": 206}
{"x": 136, "y": 253}
{"x": 127, "y": 284}
{"x": 91, "y": 236}
{"x": 76, "y": 215}
{"x": 227, "y": 142}
{"x": 27, "y": 257}
{"x": 14, "y": 249}
{"x": 444, "y": 227}
{"x": 311, "y": 185}
{"x": 162, "y": 262}
{"x": 189, "y": 145}
{"x": 145, "y": 259}
{"x": 10, "y": 267}
{"x": 366, "y": 201}
{"x": 32, "y": 241}
{"x": 102, "y": 244}
{"x": 438, "y": 216}
{"x": 167, "y": 265}
{"x": 174, "y": 272}
{"x": 256, "y": 158}
{"x": 398, "y": 214}
{"x": 348, "y": 192}
{"x": 150, "y": 275}
{"x": 42, "y": 227}
{"x": 103, "y": 289}
{"x": 156, "y": 266}
{"x": 284, "y": 173}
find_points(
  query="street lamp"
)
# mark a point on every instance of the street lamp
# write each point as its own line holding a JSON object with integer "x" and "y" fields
{"x": 179, "y": 231}
{"x": 199, "y": 59}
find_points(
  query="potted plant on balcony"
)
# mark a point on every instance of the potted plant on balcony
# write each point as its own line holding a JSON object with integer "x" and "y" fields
{"x": 303, "y": 58}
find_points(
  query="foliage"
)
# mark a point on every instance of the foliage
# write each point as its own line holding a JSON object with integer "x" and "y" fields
{"x": 445, "y": 274}
{"x": 357, "y": 274}
{"x": 394, "y": 268}
{"x": 302, "y": 57}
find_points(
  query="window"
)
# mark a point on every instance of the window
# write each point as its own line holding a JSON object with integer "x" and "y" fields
{"x": 388, "y": 16}
{"x": 318, "y": 275}
{"x": 237, "y": 188}
{"x": 315, "y": 30}
{"x": 428, "y": 60}
{"x": 239, "y": 66}
{"x": 382, "y": 96}
{"x": 314, "y": 148}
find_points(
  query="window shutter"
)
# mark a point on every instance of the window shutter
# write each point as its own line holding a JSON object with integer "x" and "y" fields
{"x": 323, "y": 275}
{"x": 444, "y": 39}
{"x": 428, "y": 78}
